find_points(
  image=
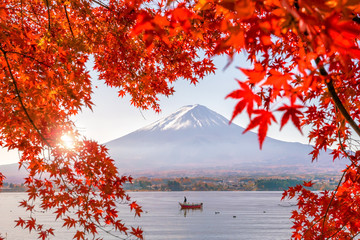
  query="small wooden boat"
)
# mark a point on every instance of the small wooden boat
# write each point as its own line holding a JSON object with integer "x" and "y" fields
{"x": 191, "y": 205}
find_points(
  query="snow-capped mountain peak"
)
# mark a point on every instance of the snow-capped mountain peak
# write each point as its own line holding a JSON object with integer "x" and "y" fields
{"x": 197, "y": 139}
{"x": 191, "y": 116}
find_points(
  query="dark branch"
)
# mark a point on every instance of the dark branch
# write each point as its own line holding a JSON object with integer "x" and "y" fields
{"x": 337, "y": 100}
{"x": 22, "y": 15}
{"x": 341, "y": 107}
{"x": 68, "y": 20}
{"x": 356, "y": 19}
{"x": 27, "y": 56}
{"x": 19, "y": 96}
{"x": 101, "y": 4}
{"x": 48, "y": 12}
{"x": 352, "y": 123}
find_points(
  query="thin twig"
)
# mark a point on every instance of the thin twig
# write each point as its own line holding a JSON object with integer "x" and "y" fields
{"x": 48, "y": 12}
{"x": 22, "y": 15}
{"x": 107, "y": 231}
{"x": 142, "y": 114}
{"x": 342, "y": 177}
{"x": 355, "y": 235}
{"x": 27, "y": 56}
{"x": 324, "y": 217}
{"x": 336, "y": 190}
{"x": 339, "y": 230}
{"x": 315, "y": 222}
{"x": 101, "y": 4}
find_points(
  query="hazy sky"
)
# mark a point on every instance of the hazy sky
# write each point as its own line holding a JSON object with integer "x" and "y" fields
{"x": 113, "y": 117}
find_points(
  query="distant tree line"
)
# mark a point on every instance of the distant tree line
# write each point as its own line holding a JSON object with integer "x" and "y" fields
{"x": 11, "y": 187}
{"x": 210, "y": 184}
{"x": 225, "y": 184}
{"x": 276, "y": 184}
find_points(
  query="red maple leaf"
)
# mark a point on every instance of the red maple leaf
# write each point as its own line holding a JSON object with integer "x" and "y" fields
{"x": 255, "y": 75}
{"x": 279, "y": 81}
{"x": 263, "y": 120}
{"x": 138, "y": 232}
{"x": 292, "y": 111}
{"x": 246, "y": 99}
{"x": 31, "y": 224}
{"x": 20, "y": 222}
{"x": 308, "y": 184}
{"x": 79, "y": 235}
{"x": 136, "y": 207}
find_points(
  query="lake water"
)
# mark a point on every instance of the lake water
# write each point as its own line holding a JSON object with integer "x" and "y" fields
{"x": 225, "y": 215}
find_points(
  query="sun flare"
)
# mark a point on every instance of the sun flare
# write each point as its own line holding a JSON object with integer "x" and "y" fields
{"x": 67, "y": 141}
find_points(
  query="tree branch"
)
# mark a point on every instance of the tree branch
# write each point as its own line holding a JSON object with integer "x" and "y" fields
{"x": 328, "y": 207}
{"x": 337, "y": 100}
{"x": 352, "y": 123}
{"x": 22, "y": 15}
{"x": 32, "y": 58}
{"x": 20, "y": 98}
{"x": 341, "y": 107}
{"x": 340, "y": 181}
{"x": 48, "y": 12}
{"x": 101, "y": 4}
{"x": 68, "y": 20}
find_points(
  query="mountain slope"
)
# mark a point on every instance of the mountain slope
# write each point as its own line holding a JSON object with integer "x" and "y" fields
{"x": 12, "y": 173}
{"x": 197, "y": 139}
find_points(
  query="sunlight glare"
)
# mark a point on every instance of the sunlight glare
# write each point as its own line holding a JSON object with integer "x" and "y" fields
{"x": 67, "y": 141}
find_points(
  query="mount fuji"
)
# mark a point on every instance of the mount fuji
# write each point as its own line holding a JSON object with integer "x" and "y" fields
{"x": 196, "y": 140}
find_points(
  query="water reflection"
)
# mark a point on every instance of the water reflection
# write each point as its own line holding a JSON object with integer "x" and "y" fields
{"x": 165, "y": 220}
{"x": 186, "y": 211}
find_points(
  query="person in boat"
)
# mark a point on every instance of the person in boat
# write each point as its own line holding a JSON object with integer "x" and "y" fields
{"x": 185, "y": 200}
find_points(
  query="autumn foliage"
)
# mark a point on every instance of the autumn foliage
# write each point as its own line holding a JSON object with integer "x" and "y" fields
{"x": 305, "y": 66}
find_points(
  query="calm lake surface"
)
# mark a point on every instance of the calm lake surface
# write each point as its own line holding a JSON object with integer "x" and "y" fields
{"x": 225, "y": 215}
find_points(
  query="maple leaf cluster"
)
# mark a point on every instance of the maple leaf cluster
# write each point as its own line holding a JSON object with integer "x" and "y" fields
{"x": 44, "y": 46}
{"x": 305, "y": 67}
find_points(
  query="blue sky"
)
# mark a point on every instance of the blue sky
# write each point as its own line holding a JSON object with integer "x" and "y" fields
{"x": 113, "y": 117}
